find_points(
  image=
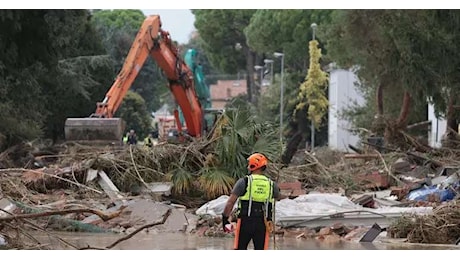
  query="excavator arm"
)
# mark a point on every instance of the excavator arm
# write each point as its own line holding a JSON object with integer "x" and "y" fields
{"x": 151, "y": 41}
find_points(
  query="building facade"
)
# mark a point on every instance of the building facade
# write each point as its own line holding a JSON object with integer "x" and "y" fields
{"x": 224, "y": 90}
{"x": 342, "y": 93}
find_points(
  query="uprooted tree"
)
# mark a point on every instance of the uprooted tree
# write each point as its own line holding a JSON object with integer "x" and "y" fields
{"x": 413, "y": 50}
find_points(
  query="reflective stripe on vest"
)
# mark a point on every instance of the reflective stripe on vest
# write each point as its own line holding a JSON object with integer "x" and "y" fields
{"x": 259, "y": 189}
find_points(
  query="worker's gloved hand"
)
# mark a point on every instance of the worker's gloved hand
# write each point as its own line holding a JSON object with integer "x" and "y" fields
{"x": 224, "y": 222}
{"x": 269, "y": 226}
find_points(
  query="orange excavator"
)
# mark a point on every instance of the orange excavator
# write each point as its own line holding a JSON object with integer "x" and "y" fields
{"x": 151, "y": 41}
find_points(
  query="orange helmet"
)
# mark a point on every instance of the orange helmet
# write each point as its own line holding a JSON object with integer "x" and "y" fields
{"x": 256, "y": 161}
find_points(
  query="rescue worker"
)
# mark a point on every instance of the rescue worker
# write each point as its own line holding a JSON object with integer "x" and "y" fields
{"x": 125, "y": 138}
{"x": 255, "y": 193}
{"x": 132, "y": 138}
{"x": 148, "y": 141}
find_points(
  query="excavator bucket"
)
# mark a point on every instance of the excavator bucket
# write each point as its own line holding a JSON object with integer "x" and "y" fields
{"x": 94, "y": 130}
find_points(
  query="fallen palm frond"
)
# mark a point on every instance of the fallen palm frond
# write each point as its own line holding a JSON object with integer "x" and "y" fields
{"x": 215, "y": 182}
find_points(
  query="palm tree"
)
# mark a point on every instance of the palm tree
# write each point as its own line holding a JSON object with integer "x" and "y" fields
{"x": 239, "y": 136}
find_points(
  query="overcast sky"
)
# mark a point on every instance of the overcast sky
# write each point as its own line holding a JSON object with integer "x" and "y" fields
{"x": 178, "y": 22}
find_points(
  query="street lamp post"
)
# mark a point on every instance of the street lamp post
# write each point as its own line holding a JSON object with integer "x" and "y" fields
{"x": 313, "y": 27}
{"x": 268, "y": 61}
{"x": 312, "y": 126}
{"x": 281, "y": 55}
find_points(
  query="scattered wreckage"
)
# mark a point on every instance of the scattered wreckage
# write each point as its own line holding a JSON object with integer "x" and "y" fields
{"x": 353, "y": 197}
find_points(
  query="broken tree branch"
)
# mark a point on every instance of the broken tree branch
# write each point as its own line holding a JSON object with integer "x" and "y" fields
{"x": 419, "y": 124}
{"x": 355, "y": 149}
{"x": 388, "y": 170}
{"x": 165, "y": 217}
{"x": 423, "y": 158}
{"x": 361, "y": 156}
{"x": 317, "y": 166}
{"x": 382, "y": 147}
{"x": 37, "y": 227}
{"x": 99, "y": 213}
{"x": 51, "y": 175}
{"x": 135, "y": 168}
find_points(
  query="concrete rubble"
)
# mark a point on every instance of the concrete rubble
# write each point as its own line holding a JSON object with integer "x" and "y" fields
{"x": 6, "y": 207}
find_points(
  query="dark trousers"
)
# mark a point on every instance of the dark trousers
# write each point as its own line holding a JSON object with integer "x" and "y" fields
{"x": 252, "y": 228}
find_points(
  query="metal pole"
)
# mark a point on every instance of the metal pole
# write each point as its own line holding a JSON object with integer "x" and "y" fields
{"x": 312, "y": 126}
{"x": 271, "y": 73}
{"x": 282, "y": 98}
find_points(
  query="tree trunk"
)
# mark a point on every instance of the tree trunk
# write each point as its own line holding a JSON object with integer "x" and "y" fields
{"x": 393, "y": 135}
{"x": 450, "y": 114}
{"x": 250, "y": 58}
{"x": 451, "y": 137}
{"x": 292, "y": 147}
{"x": 378, "y": 124}
{"x": 379, "y": 98}
{"x": 404, "y": 113}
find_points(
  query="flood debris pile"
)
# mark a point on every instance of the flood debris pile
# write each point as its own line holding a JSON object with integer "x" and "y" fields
{"x": 72, "y": 192}
{"x": 124, "y": 190}
{"x": 135, "y": 167}
{"x": 440, "y": 227}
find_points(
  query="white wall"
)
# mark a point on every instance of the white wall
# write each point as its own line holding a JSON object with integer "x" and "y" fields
{"x": 342, "y": 93}
{"x": 438, "y": 128}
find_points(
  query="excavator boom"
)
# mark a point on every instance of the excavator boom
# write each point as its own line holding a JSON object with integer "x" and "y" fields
{"x": 151, "y": 41}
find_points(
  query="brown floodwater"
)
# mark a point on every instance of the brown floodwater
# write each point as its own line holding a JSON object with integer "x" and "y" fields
{"x": 180, "y": 241}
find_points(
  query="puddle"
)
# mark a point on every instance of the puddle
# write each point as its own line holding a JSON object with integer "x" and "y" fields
{"x": 180, "y": 241}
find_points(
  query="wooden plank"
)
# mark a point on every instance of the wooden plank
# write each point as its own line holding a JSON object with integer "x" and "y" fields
{"x": 91, "y": 174}
{"x": 361, "y": 156}
{"x": 109, "y": 188}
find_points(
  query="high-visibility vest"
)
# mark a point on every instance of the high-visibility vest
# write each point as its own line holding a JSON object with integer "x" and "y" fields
{"x": 259, "y": 190}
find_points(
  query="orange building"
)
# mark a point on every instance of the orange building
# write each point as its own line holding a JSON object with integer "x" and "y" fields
{"x": 224, "y": 90}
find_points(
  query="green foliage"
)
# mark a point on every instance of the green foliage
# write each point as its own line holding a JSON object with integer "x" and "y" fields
{"x": 286, "y": 31}
{"x": 268, "y": 107}
{"x": 134, "y": 112}
{"x": 21, "y": 122}
{"x": 312, "y": 91}
{"x": 215, "y": 182}
{"x": 36, "y": 44}
{"x": 362, "y": 117}
{"x": 181, "y": 179}
{"x": 119, "y": 18}
{"x": 74, "y": 83}
{"x": 221, "y": 30}
{"x": 241, "y": 135}
{"x": 85, "y": 79}
{"x": 410, "y": 49}
{"x": 24, "y": 57}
